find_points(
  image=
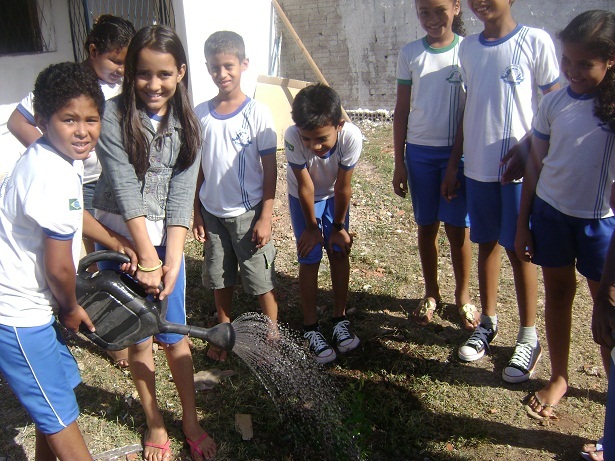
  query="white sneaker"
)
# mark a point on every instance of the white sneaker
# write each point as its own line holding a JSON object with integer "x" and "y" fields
{"x": 320, "y": 349}
{"x": 476, "y": 345}
{"x": 522, "y": 363}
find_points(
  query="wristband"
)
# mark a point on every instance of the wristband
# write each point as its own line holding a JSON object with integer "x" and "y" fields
{"x": 338, "y": 226}
{"x": 150, "y": 269}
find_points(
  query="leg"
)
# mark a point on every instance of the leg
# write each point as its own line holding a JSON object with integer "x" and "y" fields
{"x": 142, "y": 369}
{"x": 308, "y": 287}
{"x": 68, "y": 445}
{"x": 223, "y": 298}
{"x": 488, "y": 276}
{"x": 340, "y": 276}
{"x": 526, "y": 286}
{"x": 461, "y": 258}
{"x": 180, "y": 362}
{"x": 428, "y": 252}
{"x": 560, "y": 287}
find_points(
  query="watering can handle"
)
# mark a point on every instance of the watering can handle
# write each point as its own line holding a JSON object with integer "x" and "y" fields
{"x": 103, "y": 255}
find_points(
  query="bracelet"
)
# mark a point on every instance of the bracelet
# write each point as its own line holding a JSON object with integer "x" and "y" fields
{"x": 150, "y": 269}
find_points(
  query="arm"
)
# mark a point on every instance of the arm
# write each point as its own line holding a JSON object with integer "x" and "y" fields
{"x": 148, "y": 257}
{"x": 262, "y": 228}
{"x": 524, "y": 244}
{"x": 176, "y": 239}
{"x": 60, "y": 275}
{"x": 343, "y": 192}
{"x": 603, "y": 318}
{"x": 198, "y": 224}
{"x": 19, "y": 126}
{"x": 450, "y": 182}
{"x": 400, "y": 127}
{"x": 517, "y": 156}
{"x": 311, "y": 235}
{"x": 94, "y": 230}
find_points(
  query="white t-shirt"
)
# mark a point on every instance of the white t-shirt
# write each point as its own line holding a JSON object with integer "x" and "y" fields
{"x": 41, "y": 197}
{"x": 323, "y": 170}
{"x": 233, "y": 145}
{"x": 502, "y": 78}
{"x": 437, "y": 97}
{"x": 579, "y": 168}
{"x": 91, "y": 165}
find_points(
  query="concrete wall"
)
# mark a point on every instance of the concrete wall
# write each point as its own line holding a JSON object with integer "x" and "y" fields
{"x": 355, "y": 42}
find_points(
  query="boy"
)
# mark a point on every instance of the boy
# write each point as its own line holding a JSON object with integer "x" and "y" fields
{"x": 40, "y": 242}
{"x": 233, "y": 206}
{"x": 322, "y": 152}
{"x": 501, "y": 68}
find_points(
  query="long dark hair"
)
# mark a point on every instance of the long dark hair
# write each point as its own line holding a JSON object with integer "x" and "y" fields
{"x": 109, "y": 33}
{"x": 458, "y": 26}
{"x": 164, "y": 40}
{"x": 595, "y": 31}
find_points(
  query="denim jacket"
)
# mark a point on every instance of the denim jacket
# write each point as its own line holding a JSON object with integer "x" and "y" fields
{"x": 164, "y": 193}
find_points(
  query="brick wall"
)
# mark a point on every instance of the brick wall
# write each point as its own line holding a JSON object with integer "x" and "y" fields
{"x": 355, "y": 42}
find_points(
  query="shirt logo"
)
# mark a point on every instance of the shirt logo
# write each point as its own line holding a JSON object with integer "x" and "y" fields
{"x": 242, "y": 138}
{"x": 513, "y": 75}
{"x": 454, "y": 78}
{"x": 289, "y": 146}
{"x": 74, "y": 204}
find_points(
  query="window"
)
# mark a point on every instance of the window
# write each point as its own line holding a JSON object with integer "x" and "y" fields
{"x": 24, "y": 26}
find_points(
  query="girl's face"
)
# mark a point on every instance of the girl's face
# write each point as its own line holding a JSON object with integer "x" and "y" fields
{"x": 109, "y": 66}
{"x": 436, "y": 17}
{"x": 490, "y": 10}
{"x": 156, "y": 79}
{"x": 583, "y": 69}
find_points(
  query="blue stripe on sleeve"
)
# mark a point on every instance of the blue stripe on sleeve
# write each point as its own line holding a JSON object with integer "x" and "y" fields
{"x": 349, "y": 167}
{"x": 298, "y": 166}
{"x": 539, "y": 135}
{"x": 26, "y": 113}
{"x": 56, "y": 236}
{"x": 272, "y": 150}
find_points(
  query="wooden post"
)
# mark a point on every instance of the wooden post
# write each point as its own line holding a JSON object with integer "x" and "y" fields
{"x": 304, "y": 51}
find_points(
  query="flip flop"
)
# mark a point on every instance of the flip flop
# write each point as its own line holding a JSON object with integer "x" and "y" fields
{"x": 165, "y": 447}
{"x": 423, "y": 314}
{"x": 195, "y": 446}
{"x": 467, "y": 312}
{"x": 543, "y": 406}
{"x": 597, "y": 449}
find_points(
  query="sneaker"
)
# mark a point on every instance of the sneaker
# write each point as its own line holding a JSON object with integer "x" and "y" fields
{"x": 474, "y": 348}
{"x": 320, "y": 349}
{"x": 522, "y": 363}
{"x": 345, "y": 340}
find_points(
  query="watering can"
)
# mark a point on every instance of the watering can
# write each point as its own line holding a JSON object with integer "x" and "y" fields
{"x": 122, "y": 312}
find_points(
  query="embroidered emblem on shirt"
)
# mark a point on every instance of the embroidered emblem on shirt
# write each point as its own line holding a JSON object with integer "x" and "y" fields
{"x": 74, "y": 204}
{"x": 513, "y": 75}
{"x": 454, "y": 78}
{"x": 242, "y": 138}
{"x": 289, "y": 146}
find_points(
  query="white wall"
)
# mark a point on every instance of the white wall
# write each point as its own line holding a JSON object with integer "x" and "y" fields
{"x": 18, "y": 73}
{"x": 252, "y": 19}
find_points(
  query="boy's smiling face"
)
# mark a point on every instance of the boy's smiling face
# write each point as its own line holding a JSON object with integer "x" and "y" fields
{"x": 225, "y": 70}
{"x": 322, "y": 139}
{"x": 489, "y": 10}
{"x": 73, "y": 130}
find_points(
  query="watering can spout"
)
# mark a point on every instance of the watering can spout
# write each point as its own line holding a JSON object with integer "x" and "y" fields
{"x": 221, "y": 335}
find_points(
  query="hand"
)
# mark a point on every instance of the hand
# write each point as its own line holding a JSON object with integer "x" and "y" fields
{"x": 169, "y": 280}
{"x": 603, "y": 321}
{"x": 150, "y": 280}
{"x": 261, "y": 234}
{"x": 450, "y": 184}
{"x": 342, "y": 239}
{"x": 400, "y": 180}
{"x": 524, "y": 243}
{"x": 124, "y": 246}
{"x": 309, "y": 238}
{"x": 198, "y": 228}
{"x": 73, "y": 318}
{"x": 514, "y": 161}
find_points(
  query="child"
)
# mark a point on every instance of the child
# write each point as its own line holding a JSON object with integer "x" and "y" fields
{"x": 322, "y": 152}
{"x": 572, "y": 144}
{"x": 501, "y": 68}
{"x": 149, "y": 150}
{"x": 40, "y": 242}
{"x": 106, "y": 46}
{"x": 428, "y": 73}
{"x": 236, "y": 187}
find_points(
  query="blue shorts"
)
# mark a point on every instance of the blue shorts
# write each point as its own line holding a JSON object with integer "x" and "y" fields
{"x": 426, "y": 166}
{"x": 560, "y": 239}
{"x": 493, "y": 210}
{"x": 88, "y": 196}
{"x": 42, "y": 373}
{"x": 176, "y": 310}
{"x": 323, "y": 209}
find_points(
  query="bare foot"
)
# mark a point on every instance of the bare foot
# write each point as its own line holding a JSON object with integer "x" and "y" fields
{"x": 470, "y": 317}
{"x": 156, "y": 445}
{"x": 216, "y": 354}
{"x": 593, "y": 451}
{"x": 119, "y": 358}
{"x": 423, "y": 314}
{"x": 202, "y": 447}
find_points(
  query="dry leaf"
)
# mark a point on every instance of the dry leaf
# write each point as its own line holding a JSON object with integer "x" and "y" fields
{"x": 208, "y": 379}
{"x": 243, "y": 424}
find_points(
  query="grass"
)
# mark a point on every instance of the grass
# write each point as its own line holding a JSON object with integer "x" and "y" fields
{"x": 405, "y": 394}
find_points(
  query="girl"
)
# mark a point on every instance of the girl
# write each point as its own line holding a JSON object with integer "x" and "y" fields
{"x": 106, "y": 47}
{"x": 428, "y": 80}
{"x": 149, "y": 152}
{"x": 566, "y": 187}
